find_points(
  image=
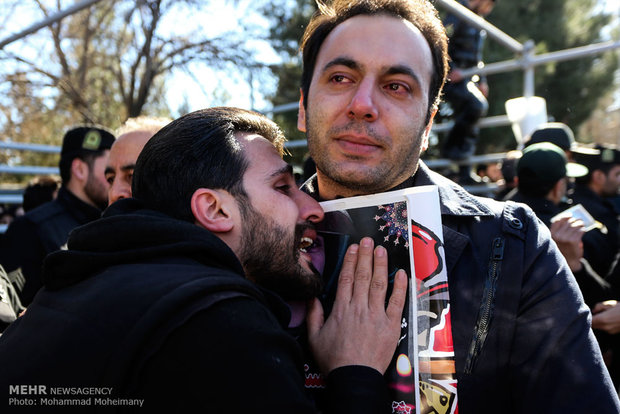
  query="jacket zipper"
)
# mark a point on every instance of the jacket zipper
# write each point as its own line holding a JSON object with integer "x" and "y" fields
{"x": 485, "y": 313}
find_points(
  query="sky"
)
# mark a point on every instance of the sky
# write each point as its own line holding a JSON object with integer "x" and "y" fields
{"x": 206, "y": 87}
{"x": 201, "y": 87}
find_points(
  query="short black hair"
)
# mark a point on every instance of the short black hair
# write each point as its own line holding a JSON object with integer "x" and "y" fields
{"x": 421, "y": 13}
{"x": 86, "y": 142}
{"x": 197, "y": 150}
{"x": 39, "y": 191}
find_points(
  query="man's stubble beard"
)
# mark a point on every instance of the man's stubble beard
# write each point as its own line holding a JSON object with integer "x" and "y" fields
{"x": 270, "y": 256}
{"x": 95, "y": 191}
{"x": 375, "y": 179}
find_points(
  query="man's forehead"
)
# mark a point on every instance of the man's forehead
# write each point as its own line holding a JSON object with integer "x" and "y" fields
{"x": 262, "y": 156}
{"x": 256, "y": 146}
{"x": 394, "y": 39}
{"x": 133, "y": 139}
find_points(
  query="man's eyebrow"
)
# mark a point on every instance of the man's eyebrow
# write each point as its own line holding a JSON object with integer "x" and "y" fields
{"x": 342, "y": 61}
{"x": 403, "y": 70}
{"x": 287, "y": 170}
{"x": 128, "y": 167}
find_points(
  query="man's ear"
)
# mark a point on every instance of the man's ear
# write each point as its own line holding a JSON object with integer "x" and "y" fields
{"x": 557, "y": 190}
{"x": 79, "y": 170}
{"x": 301, "y": 114}
{"x": 427, "y": 130}
{"x": 598, "y": 178}
{"x": 210, "y": 210}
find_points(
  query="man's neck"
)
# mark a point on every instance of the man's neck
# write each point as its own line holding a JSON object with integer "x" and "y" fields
{"x": 77, "y": 189}
{"x": 330, "y": 190}
{"x": 596, "y": 189}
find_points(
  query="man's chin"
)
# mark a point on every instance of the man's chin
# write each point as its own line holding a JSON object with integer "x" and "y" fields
{"x": 304, "y": 285}
{"x": 305, "y": 263}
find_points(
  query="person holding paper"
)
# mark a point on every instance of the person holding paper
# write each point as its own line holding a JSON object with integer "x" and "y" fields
{"x": 372, "y": 76}
{"x": 594, "y": 192}
{"x": 543, "y": 172}
{"x": 174, "y": 300}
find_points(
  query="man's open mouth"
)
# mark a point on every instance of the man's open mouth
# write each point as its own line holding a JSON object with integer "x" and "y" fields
{"x": 305, "y": 243}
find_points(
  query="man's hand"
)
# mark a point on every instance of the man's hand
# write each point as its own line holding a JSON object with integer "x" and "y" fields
{"x": 606, "y": 317}
{"x": 567, "y": 233}
{"x": 359, "y": 330}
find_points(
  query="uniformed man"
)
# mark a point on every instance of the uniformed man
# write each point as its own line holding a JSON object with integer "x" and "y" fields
{"x": 594, "y": 191}
{"x": 81, "y": 198}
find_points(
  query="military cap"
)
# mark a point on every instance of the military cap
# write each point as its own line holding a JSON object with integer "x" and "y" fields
{"x": 555, "y": 132}
{"x": 82, "y": 140}
{"x": 546, "y": 163}
{"x": 598, "y": 157}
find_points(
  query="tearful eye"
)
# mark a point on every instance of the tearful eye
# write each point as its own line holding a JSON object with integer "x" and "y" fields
{"x": 339, "y": 79}
{"x": 286, "y": 188}
{"x": 397, "y": 87}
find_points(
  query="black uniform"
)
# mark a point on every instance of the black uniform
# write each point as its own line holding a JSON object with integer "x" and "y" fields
{"x": 600, "y": 245}
{"x": 466, "y": 100}
{"x": 39, "y": 232}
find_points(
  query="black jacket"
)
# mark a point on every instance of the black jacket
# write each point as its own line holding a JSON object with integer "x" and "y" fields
{"x": 545, "y": 209}
{"x": 159, "y": 310}
{"x": 39, "y": 232}
{"x": 521, "y": 331}
{"x": 593, "y": 286}
{"x": 600, "y": 245}
{"x": 466, "y": 41}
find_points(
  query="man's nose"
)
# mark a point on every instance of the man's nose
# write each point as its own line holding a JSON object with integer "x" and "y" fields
{"x": 117, "y": 191}
{"x": 309, "y": 208}
{"x": 363, "y": 104}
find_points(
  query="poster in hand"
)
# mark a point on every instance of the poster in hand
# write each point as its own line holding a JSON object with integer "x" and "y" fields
{"x": 421, "y": 376}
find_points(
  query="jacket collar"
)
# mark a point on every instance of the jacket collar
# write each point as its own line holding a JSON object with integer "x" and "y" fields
{"x": 454, "y": 200}
{"x": 130, "y": 233}
{"x": 81, "y": 211}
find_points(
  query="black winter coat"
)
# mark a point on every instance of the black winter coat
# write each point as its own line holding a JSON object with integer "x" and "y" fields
{"x": 158, "y": 312}
{"x": 521, "y": 330}
{"x": 39, "y": 232}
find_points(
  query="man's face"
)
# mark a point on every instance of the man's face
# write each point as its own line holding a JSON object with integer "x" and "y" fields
{"x": 367, "y": 104}
{"x": 278, "y": 222}
{"x": 121, "y": 163}
{"x": 481, "y": 7}
{"x": 612, "y": 182}
{"x": 96, "y": 187}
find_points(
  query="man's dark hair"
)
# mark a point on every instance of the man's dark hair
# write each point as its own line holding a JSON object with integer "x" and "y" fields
{"x": 533, "y": 187}
{"x": 587, "y": 179}
{"x": 39, "y": 191}
{"x": 65, "y": 163}
{"x": 198, "y": 150}
{"x": 86, "y": 142}
{"x": 420, "y": 13}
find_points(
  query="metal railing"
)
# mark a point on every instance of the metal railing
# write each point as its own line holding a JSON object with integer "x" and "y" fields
{"x": 525, "y": 60}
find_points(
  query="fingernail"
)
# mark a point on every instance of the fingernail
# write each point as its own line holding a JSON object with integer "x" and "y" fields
{"x": 353, "y": 248}
{"x": 380, "y": 251}
{"x": 366, "y": 242}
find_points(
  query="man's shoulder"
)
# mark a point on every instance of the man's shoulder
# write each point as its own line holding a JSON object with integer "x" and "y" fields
{"x": 45, "y": 212}
{"x": 454, "y": 199}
